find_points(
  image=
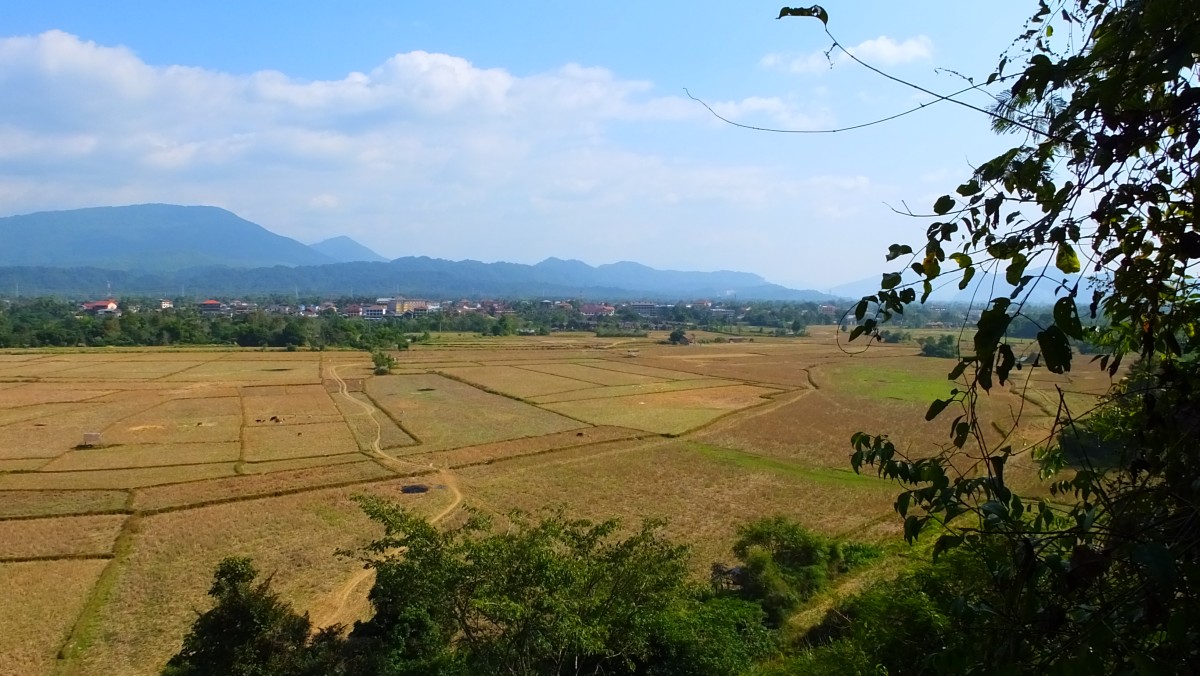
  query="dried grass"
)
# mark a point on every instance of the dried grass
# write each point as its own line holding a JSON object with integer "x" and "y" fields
{"x": 630, "y": 390}
{"x": 113, "y": 479}
{"x": 364, "y": 425}
{"x": 703, "y": 498}
{"x": 270, "y": 466}
{"x": 46, "y": 393}
{"x": 49, "y": 503}
{"x": 596, "y": 376}
{"x": 292, "y": 538}
{"x": 214, "y": 419}
{"x": 55, "y": 433}
{"x": 665, "y": 412}
{"x": 304, "y": 369}
{"x": 59, "y": 536}
{"x": 41, "y": 601}
{"x": 280, "y": 442}
{"x": 294, "y": 405}
{"x": 22, "y": 465}
{"x": 255, "y": 485}
{"x": 445, "y": 414}
{"x": 517, "y": 382}
{"x": 147, "y": 455}
{"x": 504, "y": 450}
{"x": 123, "y": 368}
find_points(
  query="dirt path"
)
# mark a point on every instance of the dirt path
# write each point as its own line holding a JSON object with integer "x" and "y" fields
{"x": 342, "y": 605}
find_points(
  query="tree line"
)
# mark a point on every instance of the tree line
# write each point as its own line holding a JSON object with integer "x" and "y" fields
{"x": 50, "y": 322}
{"x": 543, "y": 595}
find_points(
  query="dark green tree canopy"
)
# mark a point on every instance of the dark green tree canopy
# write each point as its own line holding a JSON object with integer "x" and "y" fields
{"x": 1098, "y": 198}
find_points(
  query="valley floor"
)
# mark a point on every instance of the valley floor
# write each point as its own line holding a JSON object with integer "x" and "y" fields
{"x": 107, "y": 549}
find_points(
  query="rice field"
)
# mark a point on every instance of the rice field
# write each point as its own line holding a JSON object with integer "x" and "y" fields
{"x": 107, "y": 543}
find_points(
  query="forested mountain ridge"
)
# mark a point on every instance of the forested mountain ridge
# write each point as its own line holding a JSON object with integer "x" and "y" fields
{"x": 151, "y": 249}
{"x": 409, "y": 276}
{"x": 147, "y": 237}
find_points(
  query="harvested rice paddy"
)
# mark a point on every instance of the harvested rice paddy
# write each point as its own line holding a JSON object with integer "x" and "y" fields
{"x": 107, "y": 547}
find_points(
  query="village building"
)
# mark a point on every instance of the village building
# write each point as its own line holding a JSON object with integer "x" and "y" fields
{"x": 212, "y": 307}
{"x": 101, "y": 307}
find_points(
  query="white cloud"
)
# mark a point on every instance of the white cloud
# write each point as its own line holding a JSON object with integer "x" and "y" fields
{"x": 886, "y": 51}
{"x": 880, "y": 51}
{"x": 424, "y": 154}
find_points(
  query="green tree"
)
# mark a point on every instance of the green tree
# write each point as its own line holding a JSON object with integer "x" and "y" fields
{"x": 551, "y": 596}
{"x": 944, "y": 346}
{"x": 251, "y": 632}
{"x": 383, "y": 362}
{"x": 1106, "y": 577}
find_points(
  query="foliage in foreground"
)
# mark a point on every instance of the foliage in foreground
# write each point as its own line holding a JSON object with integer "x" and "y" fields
{"x": 548, "y": 596}
{"x": 1103, "y": 575}
{"x": 251, "y": 632}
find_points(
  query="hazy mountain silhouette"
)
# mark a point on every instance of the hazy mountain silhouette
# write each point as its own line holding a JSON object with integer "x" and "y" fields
{"x": 146, "y": 237}
{"x": 345, "y": 250}
{"x": 153, "y": 249}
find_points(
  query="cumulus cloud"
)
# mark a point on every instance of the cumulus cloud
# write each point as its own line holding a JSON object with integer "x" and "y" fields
{"x": 880, "y": 51}
{"x": 424, "y": 153}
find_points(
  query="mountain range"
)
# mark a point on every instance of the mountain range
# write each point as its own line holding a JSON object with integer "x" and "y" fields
{"x": 162, "y": 249}
{"x": 345, "y": 250}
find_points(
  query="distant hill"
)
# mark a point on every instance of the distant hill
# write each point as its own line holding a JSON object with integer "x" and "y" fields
{"x": 147, "y": 237}
{"x": 345, "y": 250}
{"x": 411, "y": 276}
{"x": 152, "y": 249}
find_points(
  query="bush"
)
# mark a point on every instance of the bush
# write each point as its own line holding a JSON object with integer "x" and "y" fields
{"x": 784, "y": 564}
{"x": 944, "y": 346}
{"x": 384, "y": 362}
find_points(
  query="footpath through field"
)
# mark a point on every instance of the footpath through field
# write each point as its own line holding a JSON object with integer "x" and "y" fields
{"x": 345, "y": 603}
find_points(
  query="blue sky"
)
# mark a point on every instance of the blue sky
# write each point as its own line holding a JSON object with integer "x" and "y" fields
{"x": 494, "y": 132}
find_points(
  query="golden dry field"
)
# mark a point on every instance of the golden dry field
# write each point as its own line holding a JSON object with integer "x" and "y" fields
{"x": 106, "y": 550}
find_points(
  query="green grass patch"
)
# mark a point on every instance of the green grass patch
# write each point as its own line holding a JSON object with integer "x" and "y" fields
{"x": 921, "y": 384}
{"x": 758, "y": 463}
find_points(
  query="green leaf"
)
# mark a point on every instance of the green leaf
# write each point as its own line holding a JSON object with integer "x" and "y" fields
{"x": 958, "y": 369}
{"x": 993, "y": 322}
{"x": 897, "y": 250}
{"x": 969, "y": 188}
{"x": 815, "y": 11}
{"x": 1006, "y": 363}
{"x": 968, "y": 275}
{"x": 1016, "y": 268}
{"x": 1066, "y": 317}
{"x": 936, "y": 408}
{"x": 932, "y": 267}
{"x": 963, "y": 260}
{"x": 944, "y": 204}
{"x": 961, "y": 431}
{"x": 912, "y": 528}
{"x": 1056, "y": 350}
{"x": 890, "y": 280}
{"x": 946, "y": 543}
{"x": 1066, "y": 259}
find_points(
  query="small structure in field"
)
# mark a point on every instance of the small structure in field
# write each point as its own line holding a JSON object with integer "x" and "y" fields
{"x": 90, "y": 440}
